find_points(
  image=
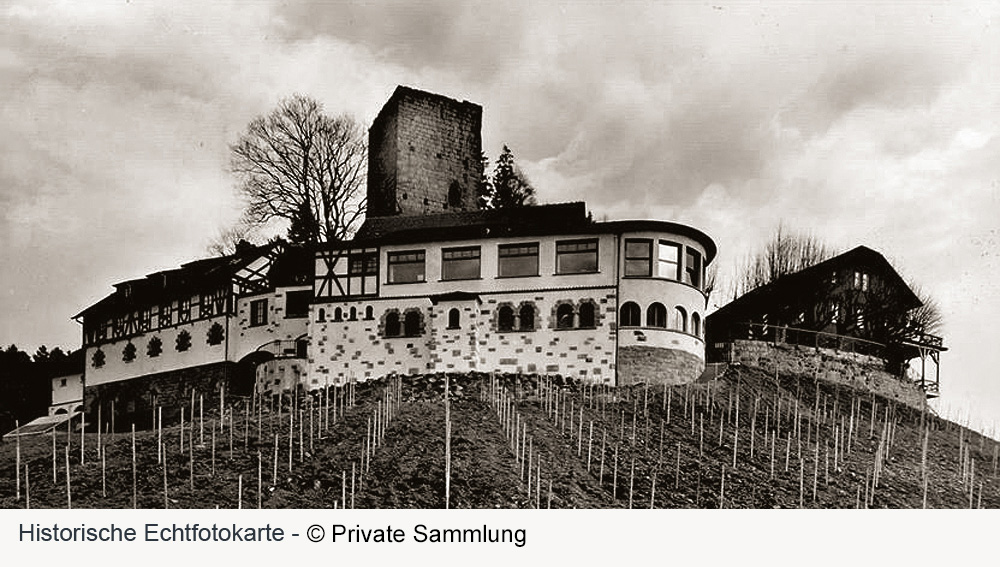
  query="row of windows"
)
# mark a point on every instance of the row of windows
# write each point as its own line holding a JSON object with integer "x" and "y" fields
{"x": 509, "y": 319}
{"x": 656, "y": 316}
{"x": 572, "y": 257}
{"x": 640, "y": 261}
{"x": 209, "y": 305}
{"x": 513, "y": 260}
{"x": 339, "y": 314}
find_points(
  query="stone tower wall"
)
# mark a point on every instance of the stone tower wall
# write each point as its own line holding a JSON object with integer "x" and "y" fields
{"x": 424, "y": 155}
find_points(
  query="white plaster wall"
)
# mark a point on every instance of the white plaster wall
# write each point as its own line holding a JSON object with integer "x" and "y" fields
{"x": 578, "y": 353}
{"x": 116, "y": 369}
{"x": 245, "y": 339}
{"x": 71, "y": 392}
{"x": 455, "y": 350}
{"x": 346, "y": 349}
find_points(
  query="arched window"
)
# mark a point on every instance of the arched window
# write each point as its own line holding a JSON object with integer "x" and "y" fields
{"x": 354, "y": 313}
{"x": 338, "y": 314}
{"x": 322, "y": 315}
{"x": 656, "y": 316}
{"x": 392, "y": 324}
{"x": 453, "y": 318}
{"x": 587, "y": 315}
{"x": 411, "y": 323}
{"x": 696, "y": 324}
{"x": 505, "y": 318}
{"x": 369, "y": 313}
{"x": 630, "y": 314}
{"x": 527, "y": 317}
{"x": 564, "y": 316}
{"x": 680, "y": 319}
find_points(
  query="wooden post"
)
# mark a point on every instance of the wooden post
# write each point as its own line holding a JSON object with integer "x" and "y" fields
{"x": 104, "y": 483}
{"x": 182, "y": 430}
{"x": 590, "y": 443}
{"x": 447, "y": 443}
{"x": 27, "y": 489}
{"x": 134, "y": 491}
{"x": 69, "y": 494}
{"x": 201, "y": 419}
{"x": 55, "y": 480}
{"x": 722, "y": 488}
{"x": 17, "y": 460}
{"x": 631, "y": 482}
{"x": 677, "y": 468}
{"x": 213, "y": 448}
{"x": 614, "y": 477}
{"x": 239, "y": 490}
{"x": 260, "y": 481}
{"x": 166, "y": 502}
{"x": 159, "y": 434}
{"x": 274, "y": 477}
{"x": 604, "y": 440}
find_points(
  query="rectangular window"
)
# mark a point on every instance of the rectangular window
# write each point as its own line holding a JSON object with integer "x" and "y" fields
{"x": 362, "y": 264}
{"x": 166, "y": 315}
{"x": 576, "y": 257}
{"x": 145, "y": 319}
{"x": 206, "y": 308}
{"x": 515, "y": 260}
{"x": 668, "y": 260}
{"x": 861, "y": 281}
{"x": 184, "y": 310}
{"x": 638, "y": 257}
{"x": 460, "y": 263}
{"x": 258, "y": 312}
{"x": 297, "y": 304}
{"x": 406, "y": 267}
{"x": 692, "y": 268}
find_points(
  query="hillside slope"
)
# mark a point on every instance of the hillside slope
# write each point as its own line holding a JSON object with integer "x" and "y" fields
{"x": 745, "y": 440}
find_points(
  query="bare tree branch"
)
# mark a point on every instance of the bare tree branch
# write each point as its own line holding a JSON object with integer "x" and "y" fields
{"x": 296, "y": 156}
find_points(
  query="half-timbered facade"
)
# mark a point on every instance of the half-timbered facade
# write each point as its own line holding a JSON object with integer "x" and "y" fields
{"x": 211, "y": 320}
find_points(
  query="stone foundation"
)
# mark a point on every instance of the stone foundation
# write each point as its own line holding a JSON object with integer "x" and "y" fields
{"x": 836, "y": 367}
{"x": 654, "y": 365}
{"x": 135, "y": 399}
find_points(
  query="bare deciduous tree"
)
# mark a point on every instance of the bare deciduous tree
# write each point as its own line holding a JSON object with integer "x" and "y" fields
{"x": 786, "y": 253}
{"x": 295, "y": 159}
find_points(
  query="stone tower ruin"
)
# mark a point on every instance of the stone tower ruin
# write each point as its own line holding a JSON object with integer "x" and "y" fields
{"x": 424, "y": 155}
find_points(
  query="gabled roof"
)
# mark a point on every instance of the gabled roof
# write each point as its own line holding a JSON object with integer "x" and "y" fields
{"x": 191, "y": 277}
{"x": 862, "y": 256}
{"x": 540, "y": 219}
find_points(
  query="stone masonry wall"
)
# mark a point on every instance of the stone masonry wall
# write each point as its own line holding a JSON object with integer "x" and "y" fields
{"x": 837, "y": 367}
{"x": 424, "y": 147}
{"x": 135, "y": 399}
{"x": 655, "y": 365}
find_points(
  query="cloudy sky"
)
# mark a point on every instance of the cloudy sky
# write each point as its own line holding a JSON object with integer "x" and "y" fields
{"x": 873, "y": 125}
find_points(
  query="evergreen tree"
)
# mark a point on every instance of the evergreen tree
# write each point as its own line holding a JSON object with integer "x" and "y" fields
{"x": 509, "y": 187}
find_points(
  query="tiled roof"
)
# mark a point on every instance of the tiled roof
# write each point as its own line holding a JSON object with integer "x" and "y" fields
{"x": 465, "y": 224}
{"x": 778, "y": 290}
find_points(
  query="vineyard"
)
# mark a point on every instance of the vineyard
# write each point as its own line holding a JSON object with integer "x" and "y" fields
{"x": 748, "y": 439}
